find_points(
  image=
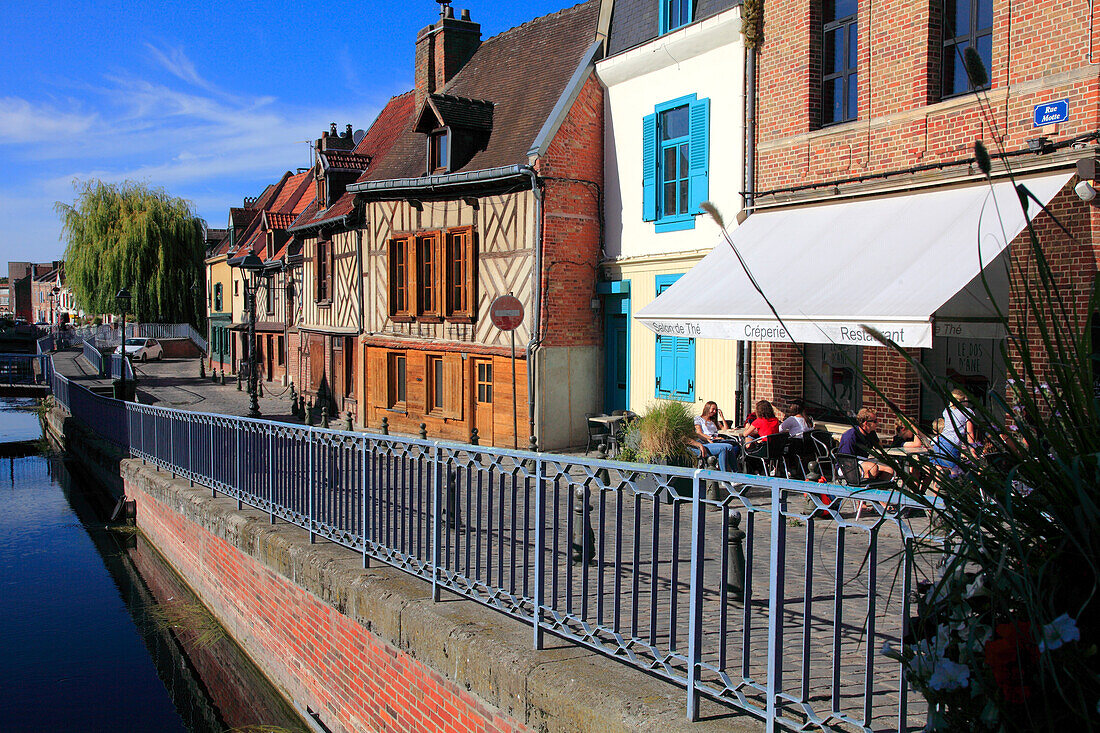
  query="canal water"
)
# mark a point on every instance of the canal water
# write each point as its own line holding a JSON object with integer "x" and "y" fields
{"x": 98, "y": 633}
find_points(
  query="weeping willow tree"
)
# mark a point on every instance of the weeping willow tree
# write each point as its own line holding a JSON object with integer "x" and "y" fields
{"x": 128, "y": 235}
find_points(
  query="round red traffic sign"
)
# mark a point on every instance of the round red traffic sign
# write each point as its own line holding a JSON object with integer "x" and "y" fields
{"x": 506, "y": 312}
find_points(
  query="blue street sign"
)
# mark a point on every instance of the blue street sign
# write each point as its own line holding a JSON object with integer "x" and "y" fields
{"x": 1051, "y": 112}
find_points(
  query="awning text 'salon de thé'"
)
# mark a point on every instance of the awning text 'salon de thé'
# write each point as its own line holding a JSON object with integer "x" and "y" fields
{"x": 890, "y": 262}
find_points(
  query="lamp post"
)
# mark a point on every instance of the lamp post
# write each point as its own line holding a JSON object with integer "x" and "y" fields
{"x": 251, "y": 266}
{"x": 122, "y": 300}
{"x": 53, "y": 306}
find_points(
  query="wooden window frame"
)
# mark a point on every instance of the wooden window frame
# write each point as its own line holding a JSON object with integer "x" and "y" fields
{"x": 842, "y": 70}
{"x": 400, "y": 286}
{"x": 322, "y": 275}
{"x": 269, "y": 294}
{"x": 439, "y": 150}
{"x": 395, "y": 400}
{"x": 426, "y": 286}
{"x": 434, "y": 397}
{"x": 460, "y": 274}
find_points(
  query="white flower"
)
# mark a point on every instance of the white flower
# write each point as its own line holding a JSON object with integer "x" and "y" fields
{"x": 1061, "y": 630}
{"x": 948, "y": 676}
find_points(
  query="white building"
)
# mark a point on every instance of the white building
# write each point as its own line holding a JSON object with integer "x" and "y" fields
{"x": 673, "y": 139}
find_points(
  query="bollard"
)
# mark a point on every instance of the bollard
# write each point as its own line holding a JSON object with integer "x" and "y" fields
{"x": 260, "y": 387}
{"x": 735, "y": 557}
{"x": 473, "y": 436}
{"x": 309, "y": 412}
{"x": 584, "y": 539}
{"x": 712, "y": 485}
{"x": 202, "y": 368}
{"x": 385, "y": 426}
{"x": 293, "y": 401}
{"x": 221, "y": 380}
{"x": 423, "y": 431}
{"x": 324, "y": 416}
{"x": 349, "y": 425}
{"x": 238, "y": 381}
{"x": 533, "y": 445}
{"x": 302, "y": 406}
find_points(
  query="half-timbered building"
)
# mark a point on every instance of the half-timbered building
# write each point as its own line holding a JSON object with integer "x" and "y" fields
{"x": 485, "y": 181}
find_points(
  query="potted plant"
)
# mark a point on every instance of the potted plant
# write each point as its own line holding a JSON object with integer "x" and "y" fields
{"x": 662, "y": 437}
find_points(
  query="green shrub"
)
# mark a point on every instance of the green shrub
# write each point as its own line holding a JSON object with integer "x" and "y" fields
{"x": 661, "y": 435}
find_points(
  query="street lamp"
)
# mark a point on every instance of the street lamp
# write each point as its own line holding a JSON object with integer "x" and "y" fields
{"x": 122, "y": 300}
{"x": 53, "y": 304}
{"x": 251, "y": 266}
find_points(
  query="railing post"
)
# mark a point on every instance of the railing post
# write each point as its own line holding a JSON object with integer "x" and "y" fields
{"x": 271, "y": 475}
{"x": 237, "y": 432}
{"x": 213, "y": 491}
{"x": 540, "y": 544}
{"x": 775, "y": 607}
{"x": 695, "y": 609}
{"x": 364, "y": 445}
{"x": 310, "y": 480}
{"x": 190, "y": 450}
{"x": 437, "y": 519}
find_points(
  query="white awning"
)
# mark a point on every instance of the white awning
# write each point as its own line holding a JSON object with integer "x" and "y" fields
{"x": 889, "y": 262}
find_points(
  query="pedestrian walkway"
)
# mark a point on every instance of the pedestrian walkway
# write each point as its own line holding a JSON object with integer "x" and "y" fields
{"x": 176, "y": 383}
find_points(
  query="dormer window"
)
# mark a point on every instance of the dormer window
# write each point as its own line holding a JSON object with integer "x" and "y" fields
{"x": 439, "y": 150}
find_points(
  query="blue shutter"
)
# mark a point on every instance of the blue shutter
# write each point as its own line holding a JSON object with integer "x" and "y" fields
{"x": 649, "y": 167}
{"x": 699, "y": 155}
{"x": 675, "y": 359}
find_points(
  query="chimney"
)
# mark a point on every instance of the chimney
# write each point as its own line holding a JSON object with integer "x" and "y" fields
{"x": 443, "y": 49}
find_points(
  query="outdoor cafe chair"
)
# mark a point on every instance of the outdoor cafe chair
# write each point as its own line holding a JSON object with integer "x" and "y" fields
{"x": 768, "y": 452}
{"x": 598, "y": 432}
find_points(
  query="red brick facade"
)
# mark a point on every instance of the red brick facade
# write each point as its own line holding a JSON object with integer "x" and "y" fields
{"x": 323, "y": 658}
{"x": 1040, "y": 54}
{"x": 571, "y": 223}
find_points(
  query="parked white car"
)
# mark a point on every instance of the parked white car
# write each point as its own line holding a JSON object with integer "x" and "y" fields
{"x": 142, "y": 349}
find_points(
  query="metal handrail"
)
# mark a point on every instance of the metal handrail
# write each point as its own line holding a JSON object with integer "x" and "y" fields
{"x": 685, "y": 573}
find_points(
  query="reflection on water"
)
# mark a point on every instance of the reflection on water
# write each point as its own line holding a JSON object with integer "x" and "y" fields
{"x": 83, "y": 645}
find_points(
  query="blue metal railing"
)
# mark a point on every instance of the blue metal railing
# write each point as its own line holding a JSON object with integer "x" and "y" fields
{"x": 94, "y": 357}
{"x": 733, "y": 586}
{"x": 25, "y": 369}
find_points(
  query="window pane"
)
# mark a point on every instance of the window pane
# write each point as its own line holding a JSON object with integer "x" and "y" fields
{"x": 668, "y": 165}
{"x": 985, "y": 50}
{"x": 674, "y": 123}
{"x": 437, "y": 381}
{"x": 683, "y": 161}
{"x": 400, "y": 379}
{"x": 836, "y": 9}
{"x": 985, "y": 15}
{"x": 951, "y": 63}
{"x": 833, "y": 100}
{"x": 960, "y": 82}
{"x": 853, "y": 47}
{"x": 833, "y": 50}
{"x": 443, "y": 150}
{"x": 683, "y": 197}
{"x": 959, "y": 14}
{"x": 669, "y": 204}
{"x": 853, "y": 98}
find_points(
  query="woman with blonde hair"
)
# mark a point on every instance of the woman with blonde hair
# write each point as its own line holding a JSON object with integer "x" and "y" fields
{"x": 709, "y": 441}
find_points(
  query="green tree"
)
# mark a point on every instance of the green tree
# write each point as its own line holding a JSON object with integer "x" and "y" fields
{"x": 128, "y": 235}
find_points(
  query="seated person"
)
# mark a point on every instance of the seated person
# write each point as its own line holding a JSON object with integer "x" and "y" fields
{"x": 762, "y": 425}
{"x": 861, "y": 441}
{"x": 797, "y": 421}
{"x": 708, "y": 439}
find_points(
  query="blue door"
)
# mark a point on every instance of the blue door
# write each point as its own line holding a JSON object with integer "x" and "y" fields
{"x": 616, "y": 351}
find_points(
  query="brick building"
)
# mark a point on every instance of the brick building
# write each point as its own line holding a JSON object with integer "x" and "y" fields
{"x": 868, "y": 206}
{"x": 488, "y": 185}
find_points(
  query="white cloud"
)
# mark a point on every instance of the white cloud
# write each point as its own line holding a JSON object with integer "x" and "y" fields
{"x": 24, "y": 122}
{"x": 209, "y": 145}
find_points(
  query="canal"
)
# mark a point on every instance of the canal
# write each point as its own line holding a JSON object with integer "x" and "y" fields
{"x": 99, "y": 634}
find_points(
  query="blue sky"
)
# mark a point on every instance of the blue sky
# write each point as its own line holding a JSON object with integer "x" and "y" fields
{"x": 209, "y": 101}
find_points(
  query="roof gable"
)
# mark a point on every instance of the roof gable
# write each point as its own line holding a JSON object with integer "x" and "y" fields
{"x": 521, "y": 72}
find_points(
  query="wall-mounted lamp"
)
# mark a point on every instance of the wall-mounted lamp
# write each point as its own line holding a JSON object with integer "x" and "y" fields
{"x": 1040, "y": 145}
{"x": 595, "y": 305}
{"x": 1086, "y": 187}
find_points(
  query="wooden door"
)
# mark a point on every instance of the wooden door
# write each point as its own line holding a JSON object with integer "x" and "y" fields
{"x": 269, "y": 353}
{"x": 317, "y": 363}
{"x": 482, "y": 381}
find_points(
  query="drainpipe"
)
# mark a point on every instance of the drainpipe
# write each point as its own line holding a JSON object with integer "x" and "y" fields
{"x": 536, "y": 297}
{"x": 744, "y": 348}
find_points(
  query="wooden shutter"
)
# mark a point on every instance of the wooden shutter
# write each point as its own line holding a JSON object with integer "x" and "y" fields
{"x": 402, "y": 279}
{"x": 649, "y": 167}
{"x": 378, "y": 383}
{"x": 453, "y": 395}
{"x": 698, "y": 154}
